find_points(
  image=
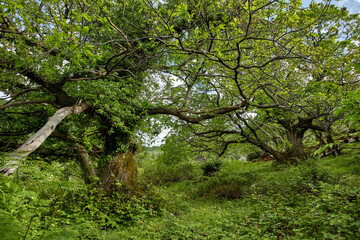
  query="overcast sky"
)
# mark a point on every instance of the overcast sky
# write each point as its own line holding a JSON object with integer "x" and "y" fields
{"x": 353, "y": 6}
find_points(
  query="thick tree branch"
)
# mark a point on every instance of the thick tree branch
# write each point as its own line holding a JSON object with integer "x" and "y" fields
{"x": 39, "y": 137}
{"x": 207, "y": 114}
{"x": 21, "y": 93}
{"x": 61, "y": 97}
{"x": 227, "y": 143}
{"x": 28, "y": 41}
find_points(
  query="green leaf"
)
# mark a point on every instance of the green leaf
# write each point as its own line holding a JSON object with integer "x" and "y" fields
{"x": 86, "y": 16}
{"x": 19, "y": 63}
{"x": 10, "y": 227}
{"x": 357, "y": 67}
{"x": 29, "y": 195}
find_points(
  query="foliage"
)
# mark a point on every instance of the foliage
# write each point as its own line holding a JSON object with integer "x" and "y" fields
{"x": 316, "y": 199}
{"x": 158, "y": 172}
{"x": 50, "y": 206}
{"x": 268, "y": 71}
{"x": 350, "y": 107}
{"x": 174, "y": 163}
{"x": 309, "y": 201}
{"x": 211, "y": 167}
{"x": 231, "y": 181}
{"x": 57, "y": 55}
{"x": 226, "y": 72}
{"x": 174, "y": 151}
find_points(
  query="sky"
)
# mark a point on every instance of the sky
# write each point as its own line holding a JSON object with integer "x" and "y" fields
{"x": 353, "y": 6}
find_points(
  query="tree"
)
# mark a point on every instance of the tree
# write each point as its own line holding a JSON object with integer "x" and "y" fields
{"x": 233, "y": 71}
{"x": 258, "y": 66}
{"x": 68, "y": 57}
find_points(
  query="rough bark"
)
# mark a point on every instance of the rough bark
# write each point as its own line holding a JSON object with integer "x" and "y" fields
{"x": 291, "y": 155}
{"x": 8, "y": 105}
{"x": 35, "y": 141}
{"x": 122, "y": 168}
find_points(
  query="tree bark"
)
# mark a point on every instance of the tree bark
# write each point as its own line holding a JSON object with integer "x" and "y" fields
{"x": 295, "y": 137}
{"x": 122, "y": 168}
{"x": 85, "y": 164}
{"x": 35, "y": 141}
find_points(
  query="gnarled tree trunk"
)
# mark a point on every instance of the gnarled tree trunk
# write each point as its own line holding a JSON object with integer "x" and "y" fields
{"x": 122, "y": 168}
{"x": 35, "y": 141}
{"x": 296, "y": 151}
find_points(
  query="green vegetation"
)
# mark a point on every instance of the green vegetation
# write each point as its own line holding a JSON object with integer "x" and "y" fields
{"x": 260, "y": 101}
{"x": 317, "y": 199}
{"x": 56, "y": 205}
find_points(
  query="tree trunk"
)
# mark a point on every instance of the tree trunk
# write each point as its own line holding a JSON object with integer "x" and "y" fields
{"x": 295, "y": 137}
{"x": 292, "y": 154}
{"x": 296, "y": 152}
{"x": 35, "y": 141}
{"x": 85, "y": 164}
{"x": 122, "y": 168}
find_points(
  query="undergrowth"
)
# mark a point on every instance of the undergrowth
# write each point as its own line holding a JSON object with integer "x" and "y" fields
{"x": 50, "y": 204}
{"x": 319, "y": 199}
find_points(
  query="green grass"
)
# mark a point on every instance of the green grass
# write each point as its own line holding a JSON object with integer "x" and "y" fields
{"x": 348, "y": 163}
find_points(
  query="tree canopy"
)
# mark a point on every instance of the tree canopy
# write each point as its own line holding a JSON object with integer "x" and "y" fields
{"x": 62, "y": 54}
{"x": 259, "y": 72}
{"x": 269, "y": 70}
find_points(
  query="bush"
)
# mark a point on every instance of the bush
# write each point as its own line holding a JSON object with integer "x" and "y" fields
{"x": 157, "y": 172}
{"x": 293, "y": 183}
{"x": 329, "y": 212}
{"x": 231, "y": 181}
{"x": 236, "y": 179}
{"x": 211, "y": 167}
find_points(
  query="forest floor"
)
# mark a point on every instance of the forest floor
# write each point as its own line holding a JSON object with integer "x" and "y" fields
{"x": 316, "y": 200}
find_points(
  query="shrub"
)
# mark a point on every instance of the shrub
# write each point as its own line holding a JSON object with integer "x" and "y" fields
{"x": 291, "y": 181}
{"x": 231, "y": 181}
{"x": 211, "y": 167}
{"x": 157, "y": 172}
{"x": 331, "y": 213}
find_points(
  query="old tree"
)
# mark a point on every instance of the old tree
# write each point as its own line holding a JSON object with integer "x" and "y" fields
{"x": 273, "y": 71}
{"x": 87, "y": 74}
{"x": 70, "y": 61}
